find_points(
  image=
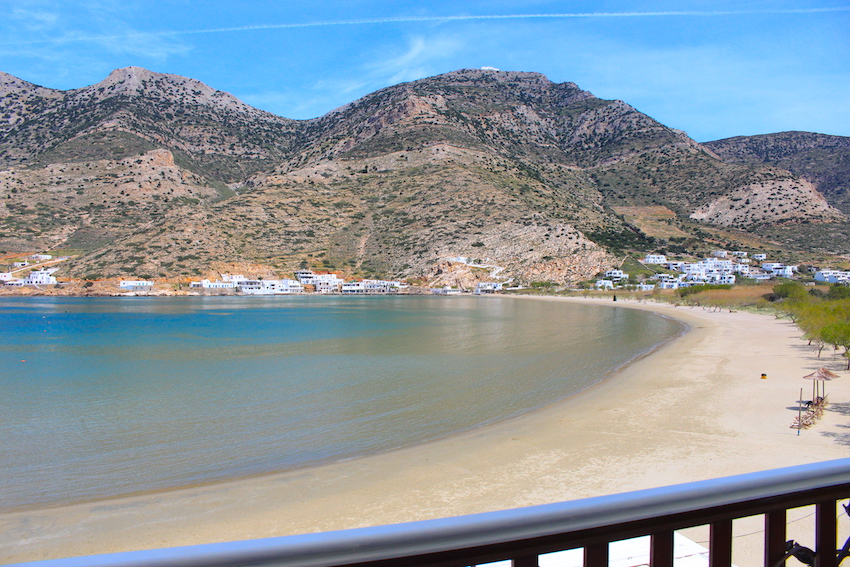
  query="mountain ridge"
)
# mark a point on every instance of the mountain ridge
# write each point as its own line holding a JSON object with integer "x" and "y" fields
{"x": 154, "y": 174}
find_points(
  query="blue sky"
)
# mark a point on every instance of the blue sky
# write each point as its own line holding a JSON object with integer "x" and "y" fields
{"x": 711, "y": 68}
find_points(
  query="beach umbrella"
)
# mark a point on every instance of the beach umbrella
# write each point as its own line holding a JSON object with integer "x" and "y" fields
{"x": 820, "y": 375}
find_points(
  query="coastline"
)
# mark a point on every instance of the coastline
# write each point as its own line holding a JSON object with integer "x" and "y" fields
{"x": 693, "y": 409}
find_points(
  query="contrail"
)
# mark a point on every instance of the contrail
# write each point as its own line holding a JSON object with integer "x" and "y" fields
{"x": 413, "y": 19}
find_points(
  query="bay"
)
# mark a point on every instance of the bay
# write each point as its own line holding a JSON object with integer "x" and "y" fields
{"x": 103, "y": 397}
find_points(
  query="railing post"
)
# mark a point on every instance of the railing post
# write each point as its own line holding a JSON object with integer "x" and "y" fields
{"x": 774, "y": 537}
{"x": 596, "y": 555}
{"x": 661, "y": 549}
{"x": 525, "y": 561}
{"x": 720, "y": 544}
{"x": 825, "y": 534}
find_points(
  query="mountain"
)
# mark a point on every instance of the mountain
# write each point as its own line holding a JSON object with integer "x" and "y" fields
{"x": 154, "y": 175}
{"x": 820, "y": 159}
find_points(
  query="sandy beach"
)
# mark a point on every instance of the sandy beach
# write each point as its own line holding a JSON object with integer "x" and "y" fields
{"x": 695, "y": 409}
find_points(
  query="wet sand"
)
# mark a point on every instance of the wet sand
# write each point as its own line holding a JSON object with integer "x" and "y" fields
{"x": 695, "y": 409}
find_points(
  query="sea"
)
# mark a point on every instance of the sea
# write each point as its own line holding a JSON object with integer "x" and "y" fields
{"x": 106, "y": 397}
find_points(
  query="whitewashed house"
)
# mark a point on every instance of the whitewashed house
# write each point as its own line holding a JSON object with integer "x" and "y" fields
{"x": 40, "y": 277}
{"x": 370, "y": 287}
{"x": 135, "y": 284}
{"x": 487, "y": 287}
{"x": 6, "y": 276}
{"x": 720, "y": 253}
{"x": 604, "y": 284}
{"x": 739, "y": 254}
{"x": 446, "y": 290}
{"x": 742, "y": 269}
{"x": 41, "y": 257}
{"x": 759, "y": 275}
{"x": 616, "y": 275}
{"x": 832, "y": 276}
{"x": 305, "y": 276}
{"x": 327, "y": 283}
{"x": 207, "y": 284}
{"x": 655, "y": 259}
{"x": 759, "y": 257}
{"x": 270, "y": 287}
{"x": 20, "y": 264}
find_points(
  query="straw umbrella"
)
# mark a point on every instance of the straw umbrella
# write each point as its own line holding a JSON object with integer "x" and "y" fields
{"x": 820, "y": 375}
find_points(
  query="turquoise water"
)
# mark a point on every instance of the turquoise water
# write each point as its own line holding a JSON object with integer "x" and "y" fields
{"x": 110, "y": 396}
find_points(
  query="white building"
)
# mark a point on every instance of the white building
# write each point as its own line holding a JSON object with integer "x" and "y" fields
{"x": 604, "y": 284}
{"x": 446, "y": 290}
{"x": 487, "y": 287}
{"x": 41, "y": 257}
{"x": 234, "y": 279}
{"x": 270, "y": 287}
{"x": 832, "y": 276}
{"x": 720, "y": 253}
{"x": 6, "y": 276}
{"x": 759, "y": 257}
{"x": 759, "y": 275}
{"x": 135, "y": 284}
{"x": 742, "y": 269}
{"x": 39, "y": 277}
{"x": 739, "y": 254}
{"x": 207, "y": 284}
{"x": 655, "y": 259}
{"x": 616, "y": 275}
{"x": 305, "y": 276}
{"x": 370, "y": 287}
{"x": 21, "y": 264}
{"x": 723, "y": 279}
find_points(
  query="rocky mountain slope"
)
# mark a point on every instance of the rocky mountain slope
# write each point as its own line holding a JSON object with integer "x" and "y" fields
{"x": 820, "y": 159}
{"x": 153, "y": 175}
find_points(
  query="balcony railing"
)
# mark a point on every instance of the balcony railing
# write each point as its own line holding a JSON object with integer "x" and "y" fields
{"x": 522, "y": 534}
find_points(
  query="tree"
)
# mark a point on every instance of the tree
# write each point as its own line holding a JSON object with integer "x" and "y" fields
{"x": 837, "y": 334}
{"x": 838, "y": 291}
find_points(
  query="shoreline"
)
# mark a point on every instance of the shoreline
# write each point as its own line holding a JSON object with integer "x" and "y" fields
{"x": 692, "y": 409}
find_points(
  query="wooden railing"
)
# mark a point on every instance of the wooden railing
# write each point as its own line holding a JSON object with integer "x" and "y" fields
{"x": 522, "y": 534}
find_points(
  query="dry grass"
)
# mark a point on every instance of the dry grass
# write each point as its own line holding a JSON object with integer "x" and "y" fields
{"x": 653, "y": 221}
{"x": 739, "y": 297}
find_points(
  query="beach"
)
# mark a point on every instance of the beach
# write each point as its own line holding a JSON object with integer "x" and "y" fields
{"x": 696, "y": 408}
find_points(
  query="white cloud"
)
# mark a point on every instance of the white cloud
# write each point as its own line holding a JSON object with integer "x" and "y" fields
{"x": 419, "y": 60}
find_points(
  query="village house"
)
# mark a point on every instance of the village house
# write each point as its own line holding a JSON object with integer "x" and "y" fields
{"x": 40, "y": 277}
{"x": 655, "y": 259}
{"x": 487, "y": 287}
{"x": 370, "y": 287}
{"x": 616, "y": 275}
{"x": 207, "y": 284}
{"x": 832, "y": 276}
{"x": 135, "y": 284}
{"x": 270, "y": 287}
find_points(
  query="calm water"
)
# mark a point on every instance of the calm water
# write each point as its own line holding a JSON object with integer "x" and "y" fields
{"x": 102, "y": 397}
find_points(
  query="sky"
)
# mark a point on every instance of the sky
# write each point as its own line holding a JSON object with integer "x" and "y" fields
{"x": 713, "y": 68}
